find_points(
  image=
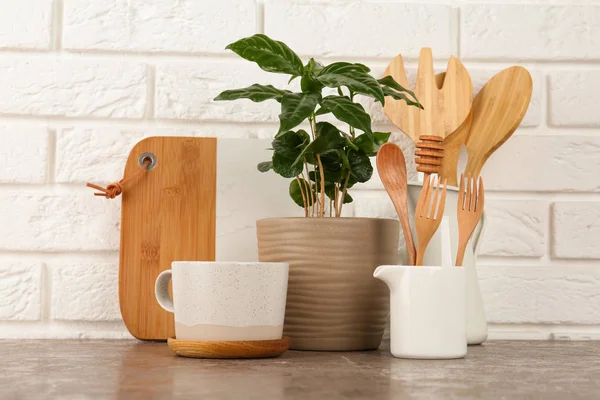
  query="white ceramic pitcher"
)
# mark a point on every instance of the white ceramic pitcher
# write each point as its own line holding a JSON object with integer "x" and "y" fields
{"x": 476, "y": 320}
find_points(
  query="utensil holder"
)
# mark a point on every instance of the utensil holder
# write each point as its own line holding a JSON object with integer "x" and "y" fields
{"x": 428, "y": 311}
{"x": 476, "y": 320}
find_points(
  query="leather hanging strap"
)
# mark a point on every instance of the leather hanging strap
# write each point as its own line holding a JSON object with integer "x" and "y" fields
{"x": 116, "y": 188}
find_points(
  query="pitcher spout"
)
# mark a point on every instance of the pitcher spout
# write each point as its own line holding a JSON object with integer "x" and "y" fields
{"x": 384, "y": 273}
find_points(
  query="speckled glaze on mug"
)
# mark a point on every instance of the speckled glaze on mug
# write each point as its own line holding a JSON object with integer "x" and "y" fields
{"x": 225, "y": 301}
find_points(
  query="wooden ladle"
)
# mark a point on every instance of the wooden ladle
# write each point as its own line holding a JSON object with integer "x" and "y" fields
{"x": 391, "y": 166}
{"x": 498, "y": 109}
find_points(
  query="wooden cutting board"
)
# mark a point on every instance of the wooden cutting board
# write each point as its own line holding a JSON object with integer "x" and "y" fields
{"x": 168, "y": 214}
{"x": 200, "y": 202}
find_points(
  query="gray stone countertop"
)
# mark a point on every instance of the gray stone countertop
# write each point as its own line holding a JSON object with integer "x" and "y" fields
{"x": 127, "y": 369}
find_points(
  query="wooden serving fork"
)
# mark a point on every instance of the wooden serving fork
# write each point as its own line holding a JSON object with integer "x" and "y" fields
{"x": 470, "y": 208}
{"x": 427, "y": 219}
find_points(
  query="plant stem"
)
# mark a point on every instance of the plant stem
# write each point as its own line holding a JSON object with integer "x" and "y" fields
{"x": 321, "y": 208}
{"x": 352, "y": 132}
{"x": 330, "y": 207}
{"x": 313, "y": 131}
{"x": 336, "y": 195}
{"x": 303, "y": 196}
{"x": 309, "y": 188}
{"x": 322, "y": 200}
{"x": 310, "y": 122}
{"x": 343, "y": 195}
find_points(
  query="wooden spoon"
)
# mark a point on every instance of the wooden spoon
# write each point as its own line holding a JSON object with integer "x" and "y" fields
{"x": 498, "y": 109}
{"x": 392, "y": 171}
{"x": 446, "y": 103}
{"x": 452, "y": 144}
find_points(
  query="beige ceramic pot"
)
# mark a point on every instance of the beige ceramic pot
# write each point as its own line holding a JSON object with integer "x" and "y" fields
{"x": 333, "y": 301}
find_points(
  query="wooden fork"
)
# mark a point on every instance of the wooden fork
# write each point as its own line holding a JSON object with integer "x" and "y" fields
{"x": 470, "y": 208}
{"x": 427, "y": 220}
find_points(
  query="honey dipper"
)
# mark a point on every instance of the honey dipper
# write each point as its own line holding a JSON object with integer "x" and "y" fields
{"x": 430, "y": 153}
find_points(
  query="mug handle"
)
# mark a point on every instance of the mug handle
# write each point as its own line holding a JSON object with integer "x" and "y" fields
{"x": 161, "y": 291}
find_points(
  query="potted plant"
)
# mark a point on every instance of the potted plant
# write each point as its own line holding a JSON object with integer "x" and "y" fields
{"x": 333, "y": 302}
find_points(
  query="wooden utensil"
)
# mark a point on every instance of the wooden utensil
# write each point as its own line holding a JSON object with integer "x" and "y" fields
{"x": 453, "y": 144}
{"x": 428, "y": 215}
{"x": 446, "y": 102}
{"x": 498, "y": 109}
{"x": 168, "y": 215}
{"x": 469, "y": 210}
{"x": 391, "y": 166}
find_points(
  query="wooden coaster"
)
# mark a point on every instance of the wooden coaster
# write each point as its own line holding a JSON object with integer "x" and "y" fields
{"x": 240, "y": 349}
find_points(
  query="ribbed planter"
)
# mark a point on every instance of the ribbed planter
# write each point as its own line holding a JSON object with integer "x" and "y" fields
{"x": 333, "y": 301}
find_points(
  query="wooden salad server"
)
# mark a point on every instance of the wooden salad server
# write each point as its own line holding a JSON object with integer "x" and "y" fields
{"x": 469, "y": 210}
{"x": 446, "y": 101}
{"x": 391, "y": 166}
{"x": 498, "y": 109}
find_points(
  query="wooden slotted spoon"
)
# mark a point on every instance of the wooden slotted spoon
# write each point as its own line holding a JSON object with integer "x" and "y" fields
{"x": 498, "y": 109}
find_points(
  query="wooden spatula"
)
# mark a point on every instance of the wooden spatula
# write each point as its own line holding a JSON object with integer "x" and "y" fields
{"x": 391, "y": 166}
{"x": 498, "y": 109}
{"x": 445, "y": 106}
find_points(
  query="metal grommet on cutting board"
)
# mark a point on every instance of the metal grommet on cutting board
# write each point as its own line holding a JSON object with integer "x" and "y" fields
{"x": 144, "y": 157}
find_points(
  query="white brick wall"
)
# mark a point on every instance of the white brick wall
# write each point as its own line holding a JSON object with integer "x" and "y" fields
{"x": 185, "y": 26}
{"x": 81, "y": 81}
{"x": 26, "y": 26}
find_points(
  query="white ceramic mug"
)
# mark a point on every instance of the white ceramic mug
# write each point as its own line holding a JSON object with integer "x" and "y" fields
{"x": 225, "y": 301}
{"x": 428, "y": 311}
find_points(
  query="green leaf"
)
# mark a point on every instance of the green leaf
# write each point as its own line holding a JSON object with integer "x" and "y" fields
{"x": 330, "y": 176}
{"x": 264, "y": 166}
{"x": 332, "y": 164}
{"x": 360, "y": 166}
{"x": 270, "y": 55}
{"x": 322, "y": 110}
{"x": 353, "y": 77}
{"x": 348, "y": 198}
{"x": 295, "y": 108}
{"x": 296, "y": 194}
{"x": 255, "y": 93}
{"x": 371, "y": 145}
{"x": 330, "y": 192}
{"x": 328, "y": 138}
{"x": 351, "y": 113}
{"x": 313, "y": 66}
{"x": 400, "y": 96}
{"x": 344, "y": 67}
{"x": 344, "y": 159}
{"x": 391, "y": 83}
{"x": 310, "y": 84}
{"x": 285, "y": 167}
{"x": 349, "y": 142}
{"x": 290, "y": 144}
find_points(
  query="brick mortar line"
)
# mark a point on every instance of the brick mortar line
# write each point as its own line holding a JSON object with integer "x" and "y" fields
{"x": 57, "y": 25}
{"x": 150, "y": 92}
{"x": 184, "y": 57}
